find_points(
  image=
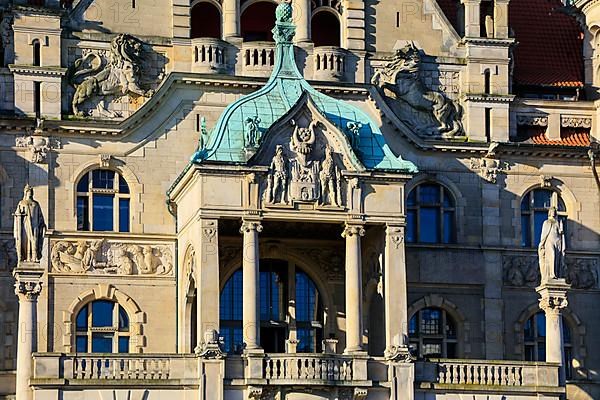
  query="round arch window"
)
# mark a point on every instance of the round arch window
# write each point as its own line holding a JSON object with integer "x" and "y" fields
{"x": 433, "y": 333}
{"x": 205, "y": 21}
{"x": 534, "y": 211}
{"x": 102, "y": 326}
{"x": 430, "y": 215}
{"x": 103, "y": 202}
{"x": 257, "y": 21}
{"x": 325, "y": 29}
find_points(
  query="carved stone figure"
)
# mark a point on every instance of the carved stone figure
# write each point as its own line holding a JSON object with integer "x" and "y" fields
{"x": 103, "y": 257}
{"x": 118, "y": 76}
{"x": 551, "y": 250}
{"x": 582, "y": 273}
{"x": 401, "y": 76}
{"x": 521, "y": 271}
{"x": 488, "y": 168}
{"x": 304, "y": 172}
{"x": 353, "y": 129}
{"x": 253, "y": 134}
{"x": 329, "y": 178}
{"x": 29, "y": 228}
{"x": 278, "y": 178}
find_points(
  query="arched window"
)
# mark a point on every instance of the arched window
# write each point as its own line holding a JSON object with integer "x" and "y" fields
{"x": 103, "y": 201}
{"x": 257, "y": 21}
{"x": 534, "y": 335}
{"x": 432, "y": 332}
{"x": 430, "y": 215}
{"x": 534, "y": 211}
{"x": 102, "y": 326}
{"x": 205, "y": 21}
{"x": 275, "y": 301}
{"x": 325, "y": 29}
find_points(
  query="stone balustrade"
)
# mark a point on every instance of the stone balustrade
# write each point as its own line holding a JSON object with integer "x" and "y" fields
{"x": 467, "y": 375}
{"x": 210, "y": 55}
{"x": 258, "y": 58}
{"x": 313, "y": 369}
{"x": 84, "y": 368}
{"x": 329, "y": 63}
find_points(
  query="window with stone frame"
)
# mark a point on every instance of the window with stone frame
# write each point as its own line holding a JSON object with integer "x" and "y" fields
{"x": 103, "y": 202}
{"x": 430, "y": 215}
{"x": 275, "y": 301}
{"x": 534, "y": 211}
{"x": 433, "y": 333}
{"x": 102, "y": 326}
{"x": 534, "y": 341}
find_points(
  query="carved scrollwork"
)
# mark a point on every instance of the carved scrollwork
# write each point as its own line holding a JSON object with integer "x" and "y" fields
{"x": 28, "y": 290}
{"x": 249, "y": 226}
{"x": 399, "y": 354}
{"x": 113, "y": 258}
{"x": 532, "y": 120}
{"x": 211, "y": 346}
{"x": 353, "y": 230}
{"x": 396, "y": 235}
{"x": 39, "y": 146}
{"x": 489, "y": 168}
{"x": 553, "y": 303}
{"x": 575, "y": 122}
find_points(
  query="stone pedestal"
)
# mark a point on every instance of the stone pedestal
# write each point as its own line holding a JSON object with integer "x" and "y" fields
{"x": 352, "y": 234}
{"x": 251, "y": 275}
{"x": 28, "y": 287}
{"x": 553, "y": 299}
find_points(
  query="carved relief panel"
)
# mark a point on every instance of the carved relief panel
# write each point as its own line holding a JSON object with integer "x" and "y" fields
{"x": 111, "y": 257}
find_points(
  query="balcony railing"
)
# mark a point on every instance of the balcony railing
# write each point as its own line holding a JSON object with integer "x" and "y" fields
{"x": 307, "y": 368}
{"x": 467, "y": 375}
{"x": 329, "y": 63}
{"x": 118, "y": 367}
{"x": 258, "y": 58}
{"x": 210, "y": 55}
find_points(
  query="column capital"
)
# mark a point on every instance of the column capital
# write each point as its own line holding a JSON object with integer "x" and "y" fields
{"x": 553, "y": 295}
{"x": 553, "y": 304}
{"x": 353, "y": 230}
{"x": 251, "y": 225}
{"x": 28, "y": 290}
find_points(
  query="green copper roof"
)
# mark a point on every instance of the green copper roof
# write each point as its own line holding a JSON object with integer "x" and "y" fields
{"x": 286, "y": 87}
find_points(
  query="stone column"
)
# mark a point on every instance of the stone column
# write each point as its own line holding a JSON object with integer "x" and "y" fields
{"x": 472, "y": 18}
{"x": 553, "y": 300}
{"x": 231, "y": 19}
{"x": 352, "y": 233}
{"x": 251, "y": 274}
{"x": 501, "y": 19}
{"x": 302, "y": 14}
{"x": 27, "y": 288}
{"x": 396, "y": 307}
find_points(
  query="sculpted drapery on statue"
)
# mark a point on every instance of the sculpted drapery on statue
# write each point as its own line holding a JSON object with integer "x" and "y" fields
{"x": 29, "y": 228}
{"x": 551, "y": 249}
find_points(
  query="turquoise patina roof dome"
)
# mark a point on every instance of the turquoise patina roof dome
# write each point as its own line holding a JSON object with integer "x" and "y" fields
{"x": 226, "y": 143}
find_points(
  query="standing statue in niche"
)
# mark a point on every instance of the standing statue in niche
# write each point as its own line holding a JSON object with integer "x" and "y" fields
{"x": 278, "y": 178}
{"x": 329, "y": 178}
{"x": 29, "y": 228}
{"x": 551, "y": 249}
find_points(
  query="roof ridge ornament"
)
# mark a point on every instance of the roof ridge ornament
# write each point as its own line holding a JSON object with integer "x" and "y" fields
{"x": 284, "y": 29}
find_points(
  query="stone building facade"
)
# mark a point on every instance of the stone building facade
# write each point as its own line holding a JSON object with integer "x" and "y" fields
{"x": 325, "y": 199}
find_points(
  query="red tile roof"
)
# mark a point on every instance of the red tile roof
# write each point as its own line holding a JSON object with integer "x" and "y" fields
{"x": 570, "y": 137}
{"x": 550, "y": 44}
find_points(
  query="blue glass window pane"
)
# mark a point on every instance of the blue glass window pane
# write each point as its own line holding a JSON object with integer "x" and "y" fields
{"x": 264, "y": 299}
{"x": 123, "y": 344}
{"x": 102, "y": 313}
{"x": 231, "y": 304}
{"x": 306, "y": 337}
{"x": 306, "y": 298}
{"x": 540, "y": 321}
{"x": 525, "y": 231}
{"x": 449, "y": 227}
{"x": 83, "y": 213}
{"x": 538, "y": 217}
{"x": 526, "y": 203}
{"x": 566, "y": 333}
{"x": 541, "y": 352}
{"x": 411, "y": 200}
{"x": 123, "y": 187}
{"x": 82, "y": 318}
{"x": 123, "y": 215}
{"x": 448, "y": 200}
{"x": 103, "y": 212}
{"x": 528, "y": 330}
{"x": 102, "y": 342}
{"x": 429, "y": 194}
{"x": 542, "y": 198}
{"x": 429, "y": 225}
{"x": 431, "y": 321}
{"x": 123, "y": 320}
{"x": 81, "y": 343}
{"x": 561, "y": 205}
{"x": 83, "y": 185}
{"x": 103, "y": 179}
{"x": 412, "y": 326}
{"x": 411, "y": 226}
{"x": 238, "y": 296}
